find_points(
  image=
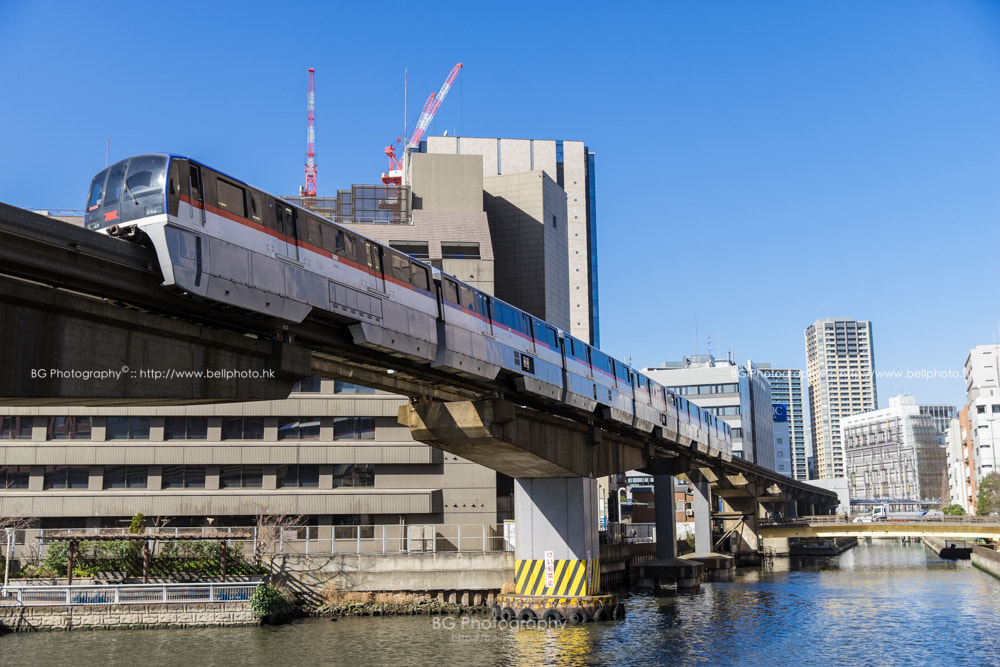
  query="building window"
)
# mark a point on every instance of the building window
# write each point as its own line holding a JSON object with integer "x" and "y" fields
{"x": 415, "y": 249}
{"x": 183, "y": 477}
{"x": 309, "y": 385}
{"x": 243, "y": 428}
{"x": 354, "y": 428}
{"x": 353, "y": 475}
{"x": 341, "y": 387}
{"x": 981, "y": 409}
{"x": 66, "y": 477}
{"x": 185, "y": 428}
{"x": 14, "y": 477}
{"x": 125, "y": 477}
{"x": 128, "y": 428}
{"x": 241, "y": 477}
{"x": 298, "y": 428}
{"x": 298, "y": 476}
{"x": 16, "y": 428}
{"x": 69, "y": 428}
{"x": 459, "y": 250}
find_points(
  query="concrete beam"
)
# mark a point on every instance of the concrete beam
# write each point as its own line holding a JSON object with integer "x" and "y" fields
{"x": 521, "y": 442}
{"x": 75, "y": 350}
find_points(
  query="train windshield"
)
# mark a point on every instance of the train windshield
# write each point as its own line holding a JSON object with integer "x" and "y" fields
{"x": 128, "y": 190}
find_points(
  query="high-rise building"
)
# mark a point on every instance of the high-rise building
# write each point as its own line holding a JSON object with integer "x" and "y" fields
{"x": 893, "y": 455}
{"x": 571, "y": 166}
{"x": 786, "y": 389}
{"x": 982, "y": 372}
{"x": 739, "y": 395}
{"x": 962, "y": 463}
{"x": 840, "y": 367}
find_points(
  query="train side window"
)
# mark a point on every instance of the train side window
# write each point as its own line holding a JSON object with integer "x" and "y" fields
{"x": 419, "y": 276}
{"x": 451, "y": 290}
{"x": 400, "y": 267}
{"x": 255, "y": 209}
{"x": 314, "y": 234}
{"x": 374, "y": 257}
{"x": 231, "y": 198}
{"x": 468, "y": 300}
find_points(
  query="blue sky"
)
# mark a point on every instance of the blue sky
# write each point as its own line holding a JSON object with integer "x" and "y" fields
{"x": 760, "y": 165}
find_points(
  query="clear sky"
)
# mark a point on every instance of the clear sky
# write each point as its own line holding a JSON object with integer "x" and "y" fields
{"x": 760, "y": 165}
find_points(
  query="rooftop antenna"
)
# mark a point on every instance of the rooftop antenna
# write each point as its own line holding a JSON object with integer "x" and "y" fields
{"x": 107, "y": 152}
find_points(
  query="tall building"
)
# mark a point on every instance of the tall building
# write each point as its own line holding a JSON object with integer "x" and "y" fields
{"x": 982, "y": 388}
{"x": 893, "y": 455}
{"x": 571, "y": 166}
{"x": 962, "y": 463}
{"x": 786, "y": 389}
{"x": 840, "y": 367}
{"x": 739, "y": 395}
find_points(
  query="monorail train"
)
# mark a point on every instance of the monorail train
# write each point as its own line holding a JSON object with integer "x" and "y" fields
{"x": 220, "y": 239}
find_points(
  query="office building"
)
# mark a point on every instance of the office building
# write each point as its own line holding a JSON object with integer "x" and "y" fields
{"x": 893, "y": 456}
{"x": 522, "y": 179}
{"x": 840, "y": 368}
{"x": 787, "y": 390}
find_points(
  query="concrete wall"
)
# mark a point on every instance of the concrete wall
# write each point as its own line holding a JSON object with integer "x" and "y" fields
{"x": 446, "y": 182}
{"x": 406, "y": 572}
{"x": 125, "y": 617}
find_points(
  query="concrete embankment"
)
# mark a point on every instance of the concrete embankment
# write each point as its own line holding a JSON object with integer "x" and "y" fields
{"x": 985, "y": 559}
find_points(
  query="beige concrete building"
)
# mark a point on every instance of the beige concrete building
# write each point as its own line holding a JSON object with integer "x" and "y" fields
{"x": 840, "y": 368}
{"x": 569, "y": 165}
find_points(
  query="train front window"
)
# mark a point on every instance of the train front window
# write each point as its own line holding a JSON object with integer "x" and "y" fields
{"x": 144, "y": 191}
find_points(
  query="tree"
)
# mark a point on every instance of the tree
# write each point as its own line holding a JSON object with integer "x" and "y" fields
{"x": 988, "y": 498}
{"x": 953, "y": 510}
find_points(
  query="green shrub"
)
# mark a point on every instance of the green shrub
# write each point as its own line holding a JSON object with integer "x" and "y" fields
{"x": 269, "y": 601}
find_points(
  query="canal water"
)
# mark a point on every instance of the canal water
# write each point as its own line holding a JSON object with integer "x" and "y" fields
{"x": 883, "y": 603}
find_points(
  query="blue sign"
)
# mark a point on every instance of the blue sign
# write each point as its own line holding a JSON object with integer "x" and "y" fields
{"x": 780, "y": 412}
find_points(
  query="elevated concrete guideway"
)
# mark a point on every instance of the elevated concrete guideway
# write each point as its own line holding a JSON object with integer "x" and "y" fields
{"x": 72, "y": 301}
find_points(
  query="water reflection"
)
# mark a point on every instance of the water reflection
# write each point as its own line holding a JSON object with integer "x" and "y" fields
{"x": 883, "y": 603}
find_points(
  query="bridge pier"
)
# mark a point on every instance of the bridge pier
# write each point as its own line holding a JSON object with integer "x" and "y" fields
{"x": 718, "y": 567}
{"x": 557, "y": 569}
{"x": 685, "y": 573}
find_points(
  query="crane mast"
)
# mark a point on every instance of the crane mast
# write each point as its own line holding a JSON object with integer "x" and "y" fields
{"x": 310, "y": 189}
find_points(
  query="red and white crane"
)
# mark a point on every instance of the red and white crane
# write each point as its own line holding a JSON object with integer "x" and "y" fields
{"x": 310, "y": 189}
{"x": 431, "y": 106}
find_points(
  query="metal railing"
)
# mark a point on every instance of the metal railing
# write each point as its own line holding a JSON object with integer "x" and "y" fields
{"x": 867, "y": 518}
{"x": 126, "y": 594}
{"x": 32, "y": 544}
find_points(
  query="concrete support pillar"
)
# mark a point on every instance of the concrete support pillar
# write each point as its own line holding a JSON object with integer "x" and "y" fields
{"x": 792, "y": 511}
{"x": 702, "y": 506}
{"x": 666, "y": 520}
{"x": 556, "y": 548}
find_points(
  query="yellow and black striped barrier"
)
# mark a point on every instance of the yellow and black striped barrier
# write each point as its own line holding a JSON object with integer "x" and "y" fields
{"x": 569, "y": 578}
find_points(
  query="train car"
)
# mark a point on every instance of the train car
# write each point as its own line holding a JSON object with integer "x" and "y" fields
{"x": 220, "y": 239}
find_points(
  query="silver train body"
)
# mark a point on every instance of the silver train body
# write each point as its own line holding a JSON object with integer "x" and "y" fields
{"x": 219, "y": 239}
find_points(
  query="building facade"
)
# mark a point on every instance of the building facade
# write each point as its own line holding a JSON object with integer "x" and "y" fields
{"x": 982, "y": 391}
{"x": 787, "y": 389}
{"x": 572, "y": 167}
{"x": 840, "y": 367}
{"x": 893, "y": 455}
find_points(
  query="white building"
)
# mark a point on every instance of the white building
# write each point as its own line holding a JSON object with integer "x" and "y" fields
{"x": 982, "y": 388}
{"x": 893, "y": 455}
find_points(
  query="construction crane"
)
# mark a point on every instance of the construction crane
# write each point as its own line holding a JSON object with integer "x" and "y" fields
{"x": 310, "y": 188}
{"x": 431, "y": 106}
